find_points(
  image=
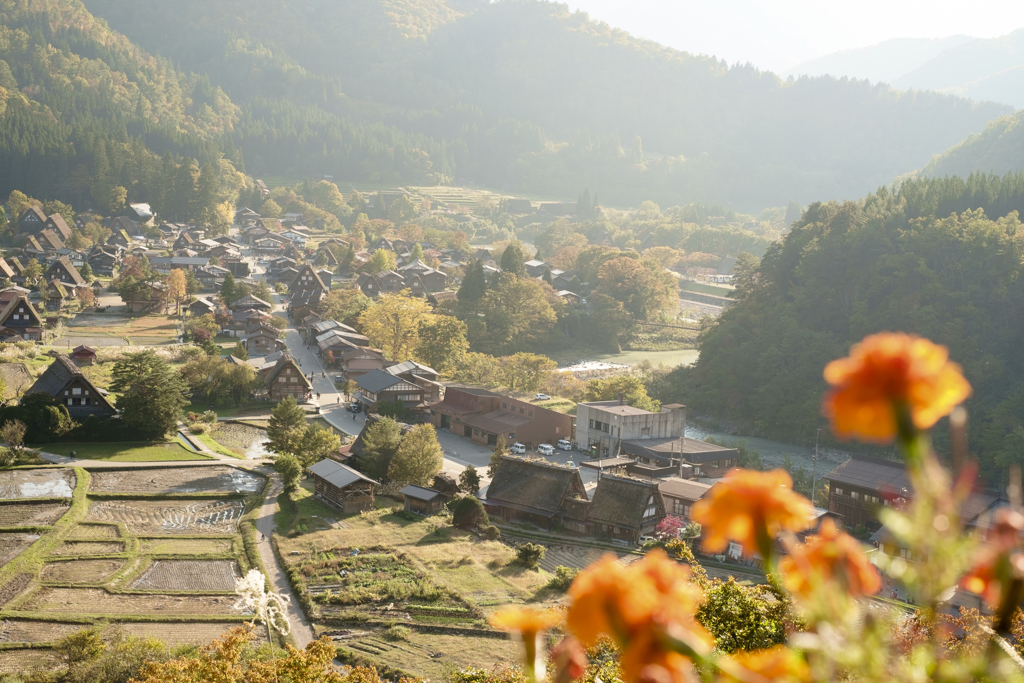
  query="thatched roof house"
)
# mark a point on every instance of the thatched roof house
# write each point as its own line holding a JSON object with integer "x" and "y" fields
{"x": 625, "y": 509}
{"x": 532, "y": 491}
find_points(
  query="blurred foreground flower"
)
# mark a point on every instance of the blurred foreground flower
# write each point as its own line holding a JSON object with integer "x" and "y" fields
{"x": 751, "y": 508}
{"x": 888, "y": 373}
{"x": 831, "y": 557}
{"x": 268, "y": 606}
{"x": 646, "y": 608}
{"x": 779, "y": 664}
{"x": 529, "y": 625}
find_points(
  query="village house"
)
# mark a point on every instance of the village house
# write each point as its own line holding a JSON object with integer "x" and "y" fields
{"x": 384, "y": 282}
{"x": 534, "y": 492}
{"x": 432, "y": 280}
{"x": 262, "y": 340}
{"x": 680, "y": 495}
{"x": 64, "y": 272}
{"x": 6, "y": 271}
{"x": 59, "y": 226}
{"x": 150, "y": 297}
{"x": 19, "y": 317}
{"x": 285, "y": 378}
{"x": 50, "y": 241}
{"x": 378, "y": 386}
{"x": 119, "y": 239}
{"x": 201, "y": 307}
{"x": 342, "y": 487}
{"x": 65, "y": 382}
{"x": 624, "y": 509}
{"x": 678, "y": 456}
{"x": 102, "y": 261}
{"x": 31, "y": 220}
{"x": 56, "y": 295}
{"x": 484, "y": 417}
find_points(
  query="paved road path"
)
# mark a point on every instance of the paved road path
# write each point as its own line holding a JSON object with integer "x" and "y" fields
{"x": 302, "y": 632}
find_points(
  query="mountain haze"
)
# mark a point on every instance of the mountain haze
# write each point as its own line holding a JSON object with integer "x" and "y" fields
{"x": 885, "y": 62}
{"x": 530, "y": 97}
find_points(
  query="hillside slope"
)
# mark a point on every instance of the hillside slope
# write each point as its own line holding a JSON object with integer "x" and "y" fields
{"x": 528, "y": 96}
{"x": 80, "y": 103}
{"x": 882, "y": 63}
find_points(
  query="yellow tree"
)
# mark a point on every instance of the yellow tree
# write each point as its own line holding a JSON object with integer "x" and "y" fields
{"x": 177, "y": 287}
{"x": 393, "y": 324}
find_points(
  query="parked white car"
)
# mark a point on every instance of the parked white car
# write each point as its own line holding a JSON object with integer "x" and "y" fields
{"x": 541, "y": 397}
{"x": 518, "y": 448}
{"x": 546, "y": 449}
{"x": 564, "y": 445}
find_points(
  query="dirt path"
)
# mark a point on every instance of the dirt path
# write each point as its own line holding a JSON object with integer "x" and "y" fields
{"x": 302, "y": 632}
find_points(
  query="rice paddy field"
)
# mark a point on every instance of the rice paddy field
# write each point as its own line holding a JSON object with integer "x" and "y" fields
{"x": 154, "y": 551}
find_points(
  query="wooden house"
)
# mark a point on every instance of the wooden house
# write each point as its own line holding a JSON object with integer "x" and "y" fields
{"x": 262, "y": 341}
{"x": 83, "y": 355}
{"x": 624, "y": 509}
{"x": 533, "y": 491}
{"x": 31, "y": 220}
{"x": 20, "y": 317}
{"x": 119, "y": 239}
{"x": 65, "y": 382}
{"x": 422, "y": 501}
{"x": 342, "y": 487}
{"x": 285, "y": 378}
{"x": 377, "y": 386}
{"x": 103, "y": 261}
{"x": 56, "y": 295}
{"x": 58, "y": 225}
{"x": 63, "y": 271}
{"x": 202, "y": 307}
{"x": 6, "y": 271}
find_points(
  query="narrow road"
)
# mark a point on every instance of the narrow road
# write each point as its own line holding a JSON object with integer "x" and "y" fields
{"x": 302, "y": 632}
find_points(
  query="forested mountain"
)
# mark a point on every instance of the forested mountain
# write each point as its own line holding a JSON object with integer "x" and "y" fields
{"x": 82, "y": 109}
{"x": 997, "y": 149}
{"x": 941, "y": 258}
{"x": 982, "y": 69}
{"x": 528, "y": 96}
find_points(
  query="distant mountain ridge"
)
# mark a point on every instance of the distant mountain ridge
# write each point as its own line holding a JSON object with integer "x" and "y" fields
{"x": 530, "y": 97}
{"x": 981, "y": 69}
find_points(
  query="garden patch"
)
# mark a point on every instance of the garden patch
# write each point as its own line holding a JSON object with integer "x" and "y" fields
{"x": 189, "y": 575}
{"x": 31, "y": 514}
{"x": 170, "y": 516}
{"x": 80, "y": 571}
{"x": 100, "y": 602}
{"x": 78, "y": 548}
{"x": 213, "y": 479}
{"x": 12, "y": 545}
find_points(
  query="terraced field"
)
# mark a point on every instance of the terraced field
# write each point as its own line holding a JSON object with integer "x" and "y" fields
{"x": 189, "y": 575}
{"x": 30, "y": 514}
{"x": 41, "y": 483}
{"x": 170, "y": 516}
{"x": 80, "y": 571}
{"x": 213, "y": 479}
{"x": 100, "y": 602}
{"x": 12, "y": 545}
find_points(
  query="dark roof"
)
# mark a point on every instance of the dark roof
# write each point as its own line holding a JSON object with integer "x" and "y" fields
{"x": 64, "y": 261}
{"x": 420, "y": 493}
{"x": 621, "y": 501}
{"x": 284, "y": 361}
{"x": 336, "y": 474}
{"x": 5, "y": 314}
{"x": 693, "y": 450}
{"x": 871, "y": 473}
{"x": 377, "y": 380}
{"x": 58, "y": 375}
{"x": 533, "y": 484}
{"x": 16, "y": 377}
{"x": 84, "y": 349}
{"x": 497, "y": 421}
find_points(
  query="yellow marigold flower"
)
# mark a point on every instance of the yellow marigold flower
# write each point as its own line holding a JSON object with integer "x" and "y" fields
{"x": 525, "y": 621}
{"x": 888, "y": 370}
{"x": 749, "y": 506}
{"x": 634, "y": 605}
{"x": 831, "y": 557}
{"x": 777, "y": 663}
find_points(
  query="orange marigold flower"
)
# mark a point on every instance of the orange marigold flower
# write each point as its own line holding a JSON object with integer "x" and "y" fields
{"x": 634, "y": 606}
{"x": 777, "y": 663}
{"x": 526, "y": 621}
{"x": 888, "y": 370}
{"x": 747, "y": 504}
{"x": 831, "y": 557}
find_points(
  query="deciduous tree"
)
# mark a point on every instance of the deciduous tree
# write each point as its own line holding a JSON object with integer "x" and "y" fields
{"x": 380, "y": 443}
{"x": 418, "y": 458}
{"x": 287, "y": 426}
{"x": 393, "y": 324}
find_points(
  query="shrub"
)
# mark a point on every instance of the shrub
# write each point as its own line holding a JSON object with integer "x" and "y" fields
{"x": 562, "y": 578}
{"x": 209, "y": 417}
{"x": 396, "y": 632}
{"x": 492, "y": 533}
{"x": 529, "y": 555}
{"x": 197, "y": 428}
{"x": 468, "y": 513}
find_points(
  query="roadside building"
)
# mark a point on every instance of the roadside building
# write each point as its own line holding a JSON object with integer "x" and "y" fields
{"x": 680, "y": 495}
{"x": 602, "y": 426}
{"x": 624, "y": 509}
{"x": 533, "y": 491}
{"x": 484, "y": 416}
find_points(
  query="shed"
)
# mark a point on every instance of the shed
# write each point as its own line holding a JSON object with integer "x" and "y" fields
{"x": 342, "y": 487}
{"x": 422, "y": 501}
{"x": 83, "y": 355}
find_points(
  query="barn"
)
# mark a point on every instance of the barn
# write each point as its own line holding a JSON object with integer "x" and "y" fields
{"x": 342, "y": 487}
{"x": 422, "y": 501}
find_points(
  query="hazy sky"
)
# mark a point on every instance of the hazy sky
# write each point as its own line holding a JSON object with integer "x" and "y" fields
{"x": 779, "y": 34}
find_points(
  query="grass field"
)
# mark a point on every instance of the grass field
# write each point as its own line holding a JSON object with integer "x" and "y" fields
{"x": 701, "y": 288}
{"x": 128, "y": 451}
{"x": 154, "y": 328}
{"x": 216, "y": 447}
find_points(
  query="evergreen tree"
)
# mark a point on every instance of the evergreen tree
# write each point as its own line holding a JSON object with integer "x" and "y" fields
{"x": 86, "y": 272}
{"x": 584, "y": 212}
{"x": 474, "y": 284}
{"x": 380, "y": 443}
{"x": 227, "y": 290}
{"x": 469, "y": 480}
{"x": 318, "y": 443}
{"x": 152, "y": 394}
{"x": 290, "y": 470}
{"x": 287, "y": 427}
{"x": 240, "y": 351}
{"x": 469, "y": 513}
{"x": 496, "y": 455}
{"x": 207, "y": 189}
{"x": 513, "y": 261}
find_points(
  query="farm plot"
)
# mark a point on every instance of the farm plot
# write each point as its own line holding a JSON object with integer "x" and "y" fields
{"x": 20, "y": 661}
{"x": 189, "y": 575}
{"x": 31, "y": 514}
{"x": 80, "y": 571}
{"x": 78, "y": 548}
{"x": 213, "y": 479}
{"x": 185, "y": 546}
{"x": 12, "y": 545}
{"x": 94, "y": 532}
{"x": 197, "y": 633}
{"x": 32, "y": 631}
{"x": 43, "y": 483}
{"x": 97, "y": 601}
{"x": 143, "y": 517}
